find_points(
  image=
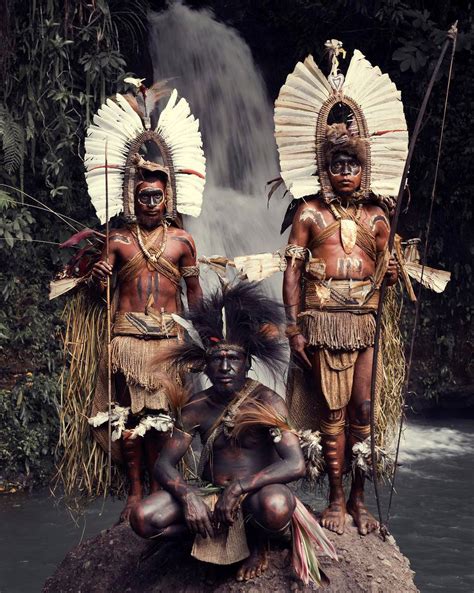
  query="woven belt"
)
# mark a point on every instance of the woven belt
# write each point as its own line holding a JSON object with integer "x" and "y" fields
{"x": 141, "y": 325}
{"x": 341, "y": 295}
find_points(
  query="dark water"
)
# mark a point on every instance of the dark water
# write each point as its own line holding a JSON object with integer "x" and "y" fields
{"x": 431, "y": 519}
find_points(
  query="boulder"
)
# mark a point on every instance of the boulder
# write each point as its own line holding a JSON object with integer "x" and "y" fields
{"x": 118, "y": 561}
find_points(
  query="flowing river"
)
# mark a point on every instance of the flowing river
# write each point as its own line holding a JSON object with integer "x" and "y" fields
{"x": 431, "y": 517}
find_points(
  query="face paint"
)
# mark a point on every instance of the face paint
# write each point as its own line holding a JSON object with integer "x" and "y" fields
{"x": 342, "y": 167}
{"x": 345, "y": 173}
{"x": 227, "y": 370}
{"x": 151, "y": 197}
{"x": 150, "y": 203}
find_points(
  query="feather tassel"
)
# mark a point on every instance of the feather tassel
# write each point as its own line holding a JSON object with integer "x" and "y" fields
{"x": 309, "y": 539}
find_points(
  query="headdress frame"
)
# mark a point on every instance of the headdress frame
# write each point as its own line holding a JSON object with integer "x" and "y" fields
{"x": 124, "y": 130}
{"x": 131, "y": 170}
{"x": 301, "y": 117}
{"x": 321, "y": 143}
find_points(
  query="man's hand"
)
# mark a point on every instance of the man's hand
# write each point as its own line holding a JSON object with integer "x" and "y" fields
{"x": 101, "y": 270}
{"x": 197, "y": 515}
{"x": 224, "y": 512}
{"x": 298, "y": 345}
{"x": 392, "y": 272}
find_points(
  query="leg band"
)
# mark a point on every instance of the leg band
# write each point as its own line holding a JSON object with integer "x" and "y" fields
{"x": 359, "y": 432}
{"x": 334, "y": 425}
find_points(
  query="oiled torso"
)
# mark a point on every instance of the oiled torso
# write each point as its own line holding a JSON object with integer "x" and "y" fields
{"x": 357, "y": 265}
{"x": 135, "y": 290}
{"x": 232, "y": 459}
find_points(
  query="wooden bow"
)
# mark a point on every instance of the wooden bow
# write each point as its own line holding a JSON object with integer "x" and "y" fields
{"x": 451, "y": 37}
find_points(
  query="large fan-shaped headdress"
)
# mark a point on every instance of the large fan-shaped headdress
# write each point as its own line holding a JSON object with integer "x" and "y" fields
{"x": 124, "y": 124}
{"x": 377, "y": 122}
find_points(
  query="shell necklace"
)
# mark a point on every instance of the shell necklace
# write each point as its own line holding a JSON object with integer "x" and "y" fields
{"x": 152, "y": 257}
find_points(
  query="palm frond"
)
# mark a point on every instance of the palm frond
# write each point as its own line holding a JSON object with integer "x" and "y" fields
{"x": 13, "y": 142}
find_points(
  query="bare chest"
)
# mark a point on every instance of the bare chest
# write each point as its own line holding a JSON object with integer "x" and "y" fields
{"x": 130, "y": 248}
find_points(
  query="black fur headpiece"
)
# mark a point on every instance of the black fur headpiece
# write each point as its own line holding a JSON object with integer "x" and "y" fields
{"x": 252, "y": 323}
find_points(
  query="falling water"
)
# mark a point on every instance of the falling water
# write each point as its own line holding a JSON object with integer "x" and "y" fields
{"x": 212, "y": 67}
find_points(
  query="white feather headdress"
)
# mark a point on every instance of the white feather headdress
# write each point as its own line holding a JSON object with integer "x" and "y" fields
{"x": 178, "y": 140}
{"x": 301, "y": 117}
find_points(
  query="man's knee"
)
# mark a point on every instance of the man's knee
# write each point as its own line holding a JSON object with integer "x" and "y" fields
{"x": 359, "y": 428}
{"x": 138, "y": 520}
{"x": 276, "y": 504}
{"x": 334, "y": 422}
{"x": 362, "y": 413}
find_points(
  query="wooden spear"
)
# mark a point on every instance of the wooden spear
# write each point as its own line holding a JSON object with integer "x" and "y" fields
{"x": 109, "y": 322}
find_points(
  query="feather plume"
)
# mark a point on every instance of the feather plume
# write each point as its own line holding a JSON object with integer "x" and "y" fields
{"x": 161, "y": 422}
{"x": 310, "y": 442}
{"x": 60, "y": 287}
{"x": 380, "y": 102}
{"x": 296, "y": 113}
{"x": 249, "y": 313}
{"x": 254, "y": 414}
{"x": 189, "y": 327}
{"x": 309, "y": 539}
{"x": 430, "y": 277}
{"x": 132, "y": 101}
{"x": 260, "y": 266}
{"x": 120, "y": 122}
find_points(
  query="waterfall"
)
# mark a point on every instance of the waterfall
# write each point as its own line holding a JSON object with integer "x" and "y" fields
{"x": 212, "y": 67}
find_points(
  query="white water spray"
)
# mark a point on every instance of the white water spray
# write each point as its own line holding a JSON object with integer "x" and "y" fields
{"x": 212, "y": 67}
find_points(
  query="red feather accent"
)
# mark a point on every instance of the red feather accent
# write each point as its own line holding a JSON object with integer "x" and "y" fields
{"x": 191, "y": 172}
{"x": 80, "y": 236}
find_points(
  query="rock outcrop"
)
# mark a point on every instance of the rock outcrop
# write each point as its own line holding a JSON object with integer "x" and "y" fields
{"x": 117, "y": 561}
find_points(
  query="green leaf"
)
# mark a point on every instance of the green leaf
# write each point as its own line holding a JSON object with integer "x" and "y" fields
{"x": 9, "y": 238}
{"x": 6, "y": 200}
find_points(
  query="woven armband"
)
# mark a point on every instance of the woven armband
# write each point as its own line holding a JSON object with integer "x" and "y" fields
{"x": 189, "y": 271}
{"x": 295, "y": 252}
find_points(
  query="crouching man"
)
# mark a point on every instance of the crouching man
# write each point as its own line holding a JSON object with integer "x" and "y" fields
{"x": 246, "y": 460}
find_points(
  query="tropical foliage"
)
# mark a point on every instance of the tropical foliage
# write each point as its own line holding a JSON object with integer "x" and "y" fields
{"x": 58, "y": 61}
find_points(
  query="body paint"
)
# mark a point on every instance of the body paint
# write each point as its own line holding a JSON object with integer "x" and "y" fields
{"x": 314, "y": 216}
{"x": 187, "y": 243}
{"x": 347, "y": 266}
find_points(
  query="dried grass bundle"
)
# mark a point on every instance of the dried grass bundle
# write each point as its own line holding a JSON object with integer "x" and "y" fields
{"x": 390, "y": 406}
{"x": 82, "y": 468}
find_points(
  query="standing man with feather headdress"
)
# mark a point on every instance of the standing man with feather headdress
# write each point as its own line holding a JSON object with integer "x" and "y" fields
{"x": 152, "y": 170}
{"x": 343, "y": 143}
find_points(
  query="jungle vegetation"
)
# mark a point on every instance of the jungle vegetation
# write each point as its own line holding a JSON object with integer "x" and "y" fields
{"x": 59, "y": 59}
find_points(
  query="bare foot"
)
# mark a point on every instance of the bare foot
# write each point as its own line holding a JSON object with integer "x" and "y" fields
{"x": 334, "y": 517}
{"x": 132, "y": 500}
{"x": 362, "y": 518}
{"x": 255, "y": 565}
